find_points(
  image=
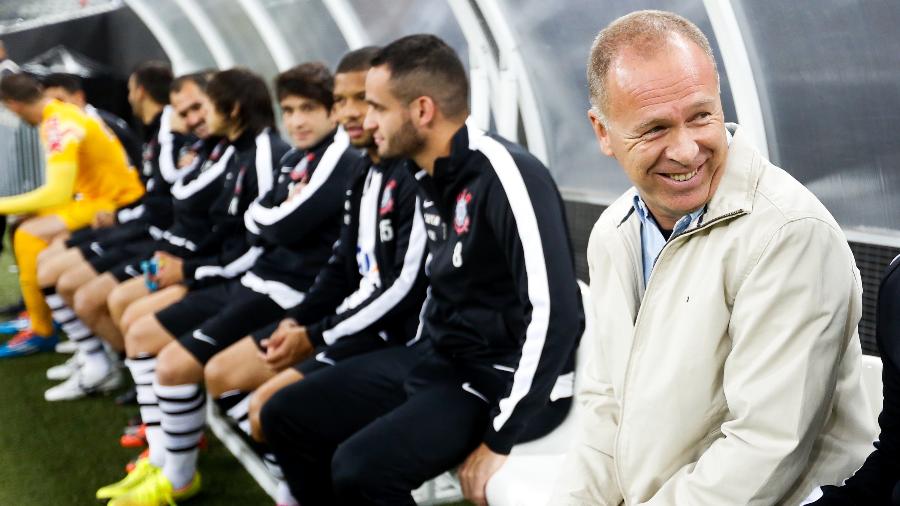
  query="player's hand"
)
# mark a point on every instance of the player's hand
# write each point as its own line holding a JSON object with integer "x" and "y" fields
{"x": 475, "y": 472}
{"x": 186, "y": 159}
{"x": 286, "y": 346}
{"x": 103, "y": 219}
{"x": 169, "y": 269}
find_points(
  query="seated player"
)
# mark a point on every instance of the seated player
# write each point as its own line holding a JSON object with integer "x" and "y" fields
{"x": 212, "y": 280}
{"x": 499, "y": 329}
{"x": 99, "y": 249}
{"x": 87, "y": 173}
{"x": 369, "y": 295}
{"x": 209, "y": 233}
{"x": 188, "y": 217}
{"x": 68, "y": 88}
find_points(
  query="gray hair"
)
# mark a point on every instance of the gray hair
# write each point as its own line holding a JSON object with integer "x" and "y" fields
{"x": 644, "y": 31}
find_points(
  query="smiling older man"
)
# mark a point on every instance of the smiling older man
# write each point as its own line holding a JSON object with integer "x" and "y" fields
{"x": 726, "y": 363}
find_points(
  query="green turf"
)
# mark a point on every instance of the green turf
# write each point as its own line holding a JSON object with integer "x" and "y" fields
{"x": 60, "y": 453}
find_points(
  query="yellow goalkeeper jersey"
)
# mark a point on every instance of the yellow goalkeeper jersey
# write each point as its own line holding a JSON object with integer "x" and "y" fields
{"x": 85, "y": 161}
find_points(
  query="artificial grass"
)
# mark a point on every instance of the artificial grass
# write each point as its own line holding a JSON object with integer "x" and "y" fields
{"x": 61, "y": 453}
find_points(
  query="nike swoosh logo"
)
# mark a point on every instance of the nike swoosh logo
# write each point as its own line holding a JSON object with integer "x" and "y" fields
{"x": 468, "y": 388}
{"x": 324, "y": 359}
{"x": 200, "y": 336}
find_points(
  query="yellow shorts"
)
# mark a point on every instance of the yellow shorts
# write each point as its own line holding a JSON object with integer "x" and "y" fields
{"x": 78, "y": 213}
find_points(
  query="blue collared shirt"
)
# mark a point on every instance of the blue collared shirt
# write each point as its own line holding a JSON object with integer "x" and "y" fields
{"x": 652, "y": 240}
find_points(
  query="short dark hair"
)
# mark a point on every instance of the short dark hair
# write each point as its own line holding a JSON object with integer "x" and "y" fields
{"x": 155, "y": 77}
{"x": 312, "y": 80}
{"x": 424, "y": 65}
{"x": 247, "y": 90}
{"x": 200, "y": 79}
{"x": 69, "y": 82}
{"x": 357, "y": 60}
{"x": 21, "y": 88}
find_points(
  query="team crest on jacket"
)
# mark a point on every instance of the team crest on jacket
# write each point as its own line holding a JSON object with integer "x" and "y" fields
{"x": 461, "y": 216}
{"x": 300, "y": 173}
{"x": 387, "y": 198}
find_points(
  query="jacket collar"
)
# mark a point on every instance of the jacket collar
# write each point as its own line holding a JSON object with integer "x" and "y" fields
{"x": 449, "y": 167}
{"x": 737, "y": 187}
{"x": 323, "y": 143}
{"x": 246, "y": 140}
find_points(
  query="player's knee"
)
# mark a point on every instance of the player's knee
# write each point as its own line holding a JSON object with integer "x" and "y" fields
{"x": 47, "y": 275}
{"x": 139, "y": 332}
{"x": 85, "y": 300}
{"x": 216, "y": 375}
{"x": 117, "y": 300}
{"x": 258, "y": 399}
{"x": 174, "y": 365}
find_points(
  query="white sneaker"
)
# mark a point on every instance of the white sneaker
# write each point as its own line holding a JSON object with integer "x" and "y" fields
{"x": 65, "y": 370}
{"x": 66, "y": 347}
{"x": 76, "y": 388}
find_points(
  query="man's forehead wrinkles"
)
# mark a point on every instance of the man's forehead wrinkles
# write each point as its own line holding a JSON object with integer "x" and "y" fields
{"x": 650, "y": 89}
{"x": 676, "y": 95}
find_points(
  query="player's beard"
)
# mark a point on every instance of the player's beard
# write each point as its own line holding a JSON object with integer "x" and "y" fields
{"x": 406, "y": 143}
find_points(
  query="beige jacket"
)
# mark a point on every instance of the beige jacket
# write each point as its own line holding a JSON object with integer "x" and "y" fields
{"x": 734, "y": 378}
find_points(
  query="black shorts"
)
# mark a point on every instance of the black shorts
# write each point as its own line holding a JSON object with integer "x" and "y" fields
{"x": 347, "y": 347}
{"x": 81, "y": 236}
{"x": 107, "y": 259}
{"x": 213, "y": 318}
{"x": 94, "y": 242}
{"x": 130, "y": 267}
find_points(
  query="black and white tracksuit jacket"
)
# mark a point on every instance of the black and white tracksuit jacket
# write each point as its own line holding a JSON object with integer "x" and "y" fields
{"x": 503, "y": 287}
{"x": 158, "y": 171}
{"x": 192, "y": 195}
{"x": 338, "y": 304}
{"x": 289, "y": 240}
{"x": 244, "y": 172}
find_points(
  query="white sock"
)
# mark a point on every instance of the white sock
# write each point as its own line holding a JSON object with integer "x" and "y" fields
{"x": 89, "y": 346}
{"x": 283, "y": 496}
{"x": 183, "y": 418}
{"x": 236, "y": 404}
{"x": 241, "y": 414}
{"x": 143, "y": 370}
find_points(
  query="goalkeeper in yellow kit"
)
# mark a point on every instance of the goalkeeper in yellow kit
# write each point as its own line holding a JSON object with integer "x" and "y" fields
{"x": 87, "y": 173}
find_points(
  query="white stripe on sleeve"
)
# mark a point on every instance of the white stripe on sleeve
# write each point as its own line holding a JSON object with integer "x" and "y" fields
{"x": 535, "y": 269}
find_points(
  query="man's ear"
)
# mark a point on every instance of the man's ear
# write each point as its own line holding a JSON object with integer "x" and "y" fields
{"x": 140, "y": 92}
{"x": 235, "y": 112}
{"x": 423, "y": 111}
{"x": 601, "y": 132}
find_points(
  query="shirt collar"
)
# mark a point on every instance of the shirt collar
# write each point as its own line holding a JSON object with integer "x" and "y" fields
{"x": 680, "y": 226}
